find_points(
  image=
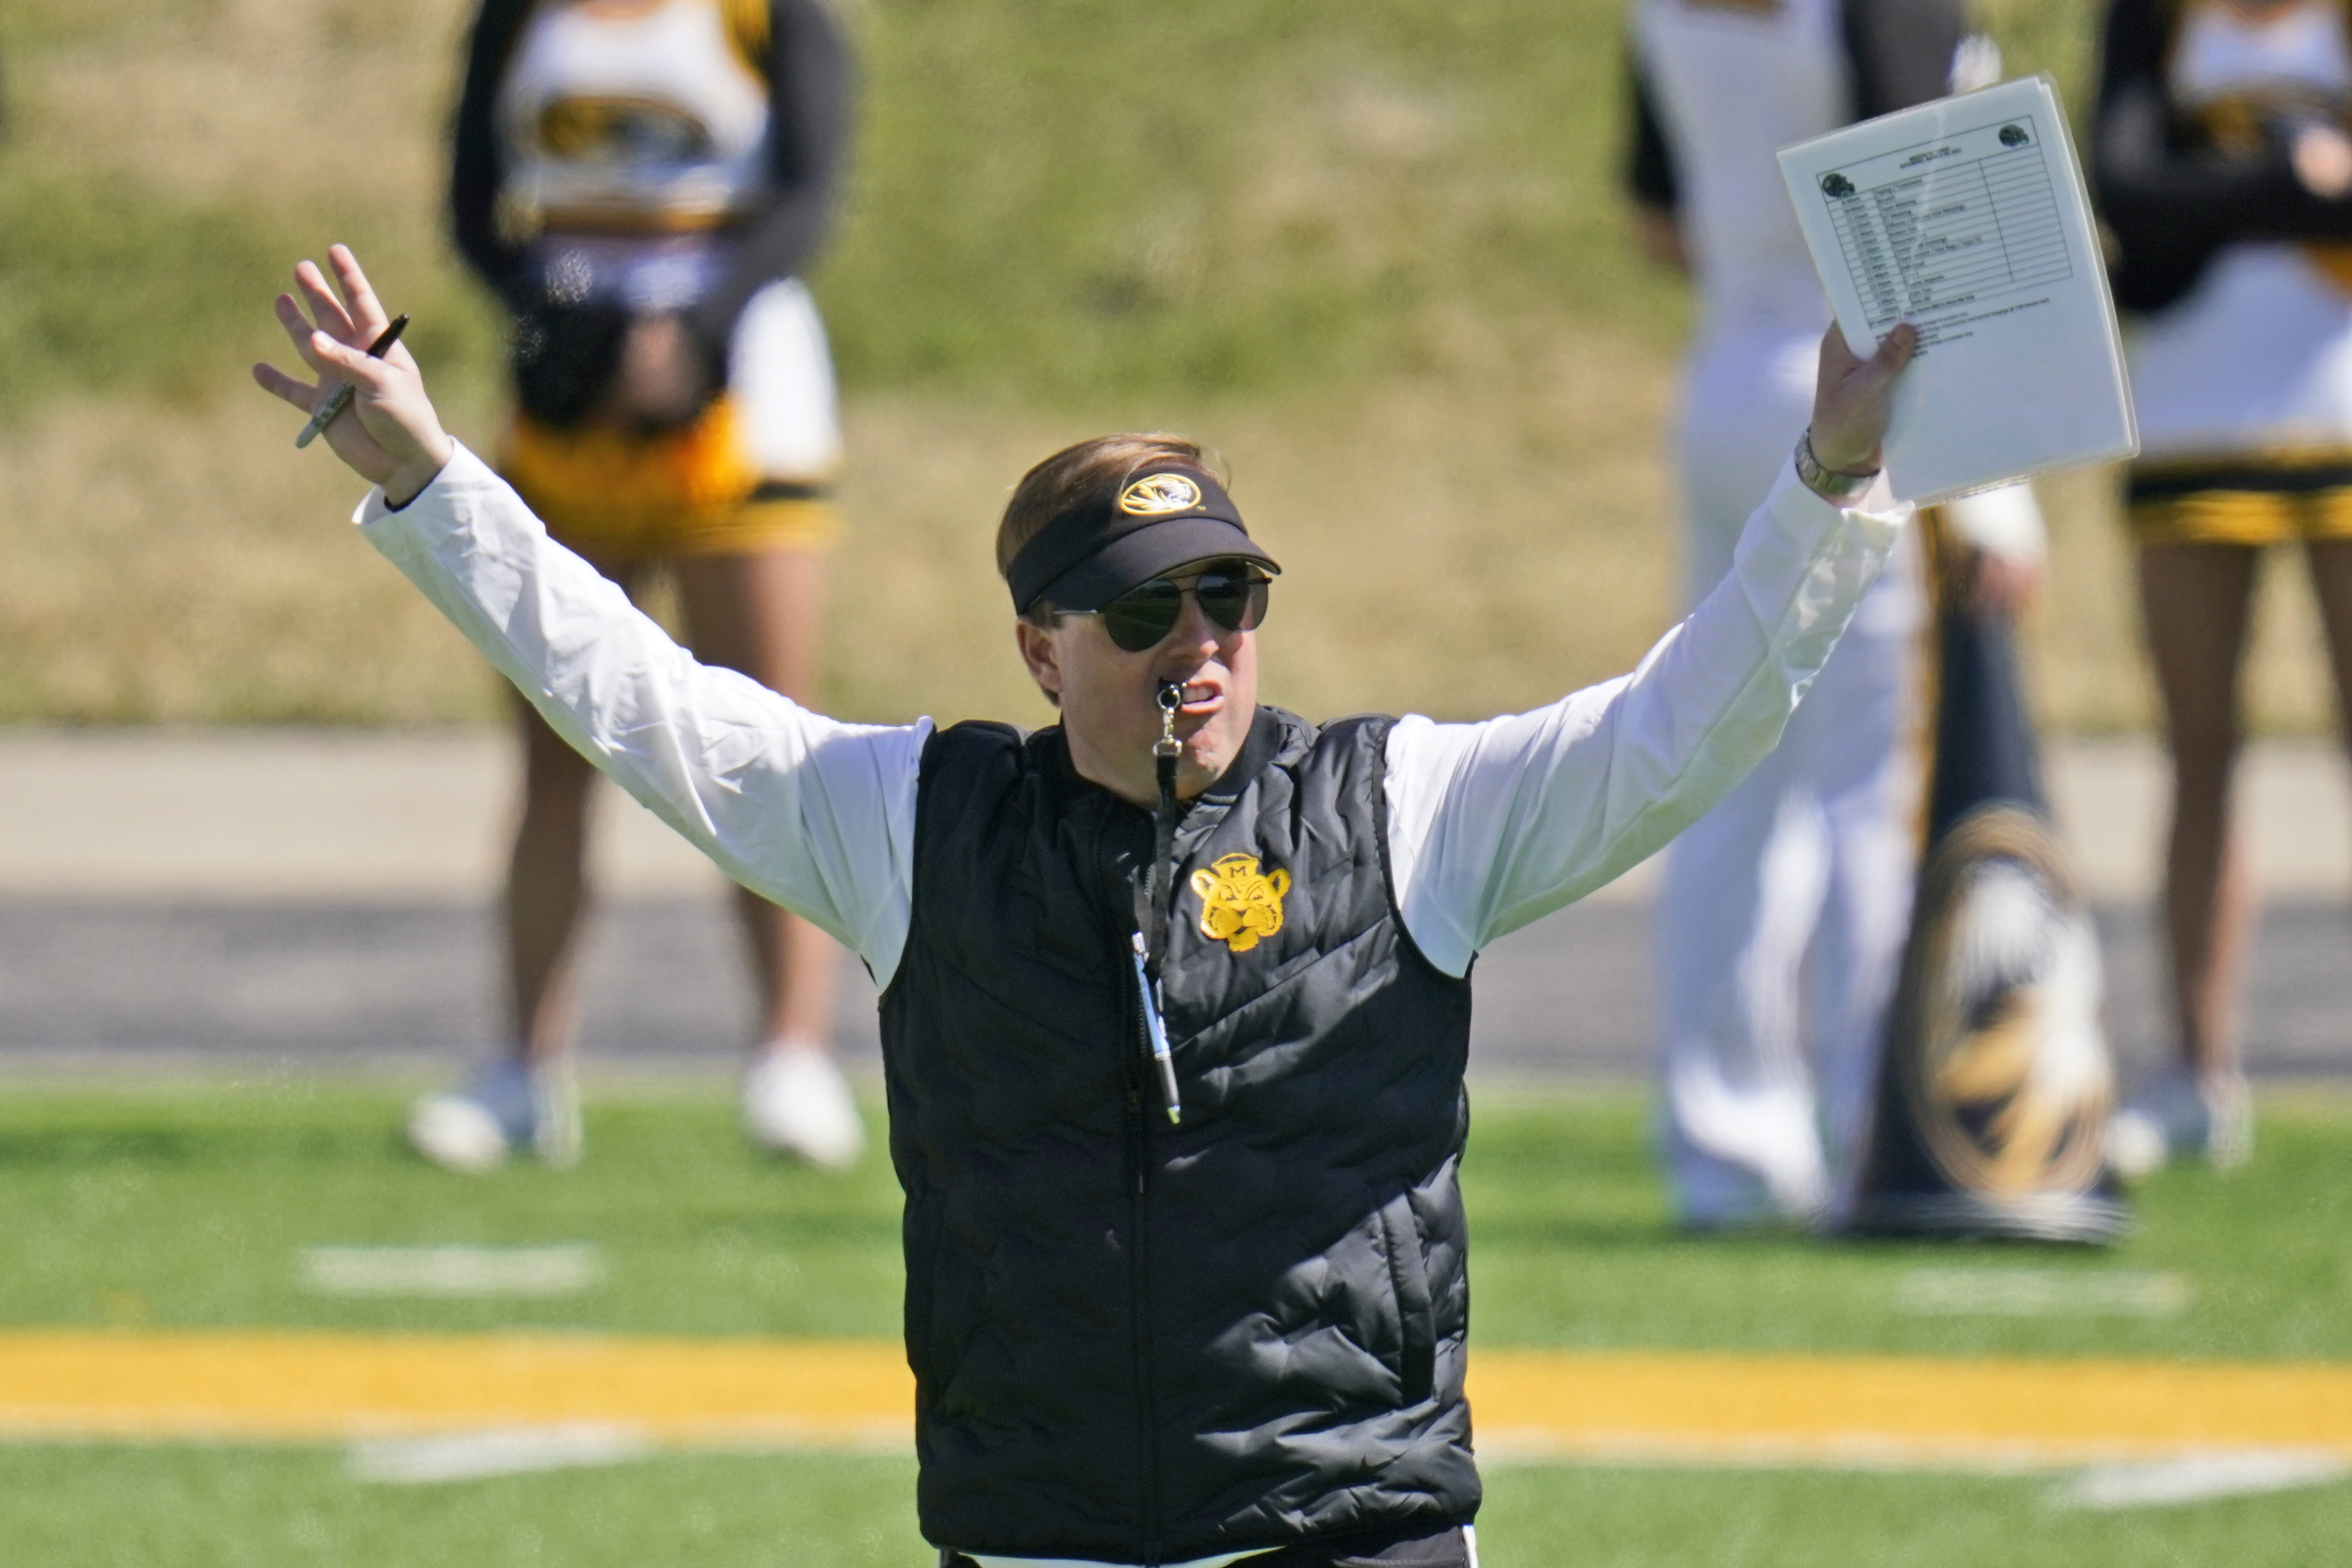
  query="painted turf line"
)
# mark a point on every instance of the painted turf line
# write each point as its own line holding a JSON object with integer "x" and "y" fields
{"x": 2170, "y": 1483}
{"x": 2041, "y": 1294}
{"x": 511, "y": 1451}
{"x": 2174, "y": 1482}
{"x": 567, "y": 1269}
{"x": 2197, "y": 1478}
{"x": 423, "y": 1408}
{"x": 2189, "y": 1479}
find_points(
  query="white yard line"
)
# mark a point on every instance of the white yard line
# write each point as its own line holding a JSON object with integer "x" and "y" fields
{"x": 2008, "y": 1293}
{"x": 2197, "y": 1478}
{"x": 567, "y": 1269}
{"x": 507, "y": 1451}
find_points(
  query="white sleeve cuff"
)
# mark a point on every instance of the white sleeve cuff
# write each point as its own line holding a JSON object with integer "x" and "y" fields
{"x": 1805, "y": 514}
{"x": 463, "y": 470}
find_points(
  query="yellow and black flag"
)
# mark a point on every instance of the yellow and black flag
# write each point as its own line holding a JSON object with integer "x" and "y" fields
{"x": 1997, "y": 1079}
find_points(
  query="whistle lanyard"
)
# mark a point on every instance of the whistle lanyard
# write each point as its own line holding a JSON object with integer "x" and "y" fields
{"x": 1159, "y": 881}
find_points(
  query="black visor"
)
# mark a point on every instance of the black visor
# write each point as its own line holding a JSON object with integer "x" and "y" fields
{"x": 1160, "y": 520}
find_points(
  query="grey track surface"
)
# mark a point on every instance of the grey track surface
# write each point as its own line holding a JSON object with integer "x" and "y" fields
{"x": 219, "y": 899}
{"x": 126, "y": 985}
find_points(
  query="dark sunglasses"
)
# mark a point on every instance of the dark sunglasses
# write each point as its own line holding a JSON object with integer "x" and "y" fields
{"x": 1231, "y": 596}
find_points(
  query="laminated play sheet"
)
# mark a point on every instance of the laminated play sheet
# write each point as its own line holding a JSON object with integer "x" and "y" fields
{"x": 1967, "y": 218}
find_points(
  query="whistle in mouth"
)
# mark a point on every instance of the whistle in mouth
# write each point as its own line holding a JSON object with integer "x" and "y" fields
{"x": 1171, "y": 697}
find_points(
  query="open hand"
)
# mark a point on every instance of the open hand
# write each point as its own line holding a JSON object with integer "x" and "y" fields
{"x": 1852, "y": 399}
{"x": 390, "y": 435}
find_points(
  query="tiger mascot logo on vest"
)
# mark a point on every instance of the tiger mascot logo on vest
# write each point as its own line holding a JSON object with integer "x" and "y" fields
{"x": 1240, "y": 906}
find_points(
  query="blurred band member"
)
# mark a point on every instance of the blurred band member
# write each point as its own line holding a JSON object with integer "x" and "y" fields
{"x": 1783, "y": 913}
{"x": 642, "y": 182}
{"x": 2222, "y": 167}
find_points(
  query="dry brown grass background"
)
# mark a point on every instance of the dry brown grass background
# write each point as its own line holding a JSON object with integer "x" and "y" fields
{"x": 1476, "y": 532}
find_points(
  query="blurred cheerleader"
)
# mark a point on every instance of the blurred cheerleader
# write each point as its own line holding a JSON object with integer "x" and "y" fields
{"x": 642, "y": 182}
{"x": 2222, "y": 166}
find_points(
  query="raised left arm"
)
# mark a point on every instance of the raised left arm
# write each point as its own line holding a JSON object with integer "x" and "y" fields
{"x": 1496, "y": 824}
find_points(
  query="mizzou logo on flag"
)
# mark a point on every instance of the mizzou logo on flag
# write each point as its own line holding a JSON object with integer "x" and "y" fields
{"x": 1240, "y": 905}
{"x": 2005, "y": 1066}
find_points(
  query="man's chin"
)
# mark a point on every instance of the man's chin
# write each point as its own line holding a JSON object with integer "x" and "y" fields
{"x": 1217, "y": 744}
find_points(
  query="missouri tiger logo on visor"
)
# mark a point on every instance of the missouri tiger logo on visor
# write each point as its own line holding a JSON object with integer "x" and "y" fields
{"x": 1156, "y": 495}
{"x": 1239, "y": 906}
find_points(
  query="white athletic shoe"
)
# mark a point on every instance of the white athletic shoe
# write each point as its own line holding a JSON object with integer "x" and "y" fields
{"x": 505, "y": 1108}
{"x": 2211, "y": 1118}
{"x": 795, "y": 1101}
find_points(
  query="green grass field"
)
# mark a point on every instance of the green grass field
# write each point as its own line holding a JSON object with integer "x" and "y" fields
{"x": 157, "y": 1209}
{"x": 227, "y": 1507}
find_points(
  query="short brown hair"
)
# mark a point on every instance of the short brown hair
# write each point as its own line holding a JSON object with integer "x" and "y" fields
{"x": 1090, "y": 470}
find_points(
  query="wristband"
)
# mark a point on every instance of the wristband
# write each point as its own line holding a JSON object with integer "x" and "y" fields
{"x": 1829, "y": 484}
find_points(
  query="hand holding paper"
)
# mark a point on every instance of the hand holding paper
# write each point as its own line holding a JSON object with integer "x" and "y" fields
{"x": 1966, "y": 217}
{"x": 1852, "y": 399}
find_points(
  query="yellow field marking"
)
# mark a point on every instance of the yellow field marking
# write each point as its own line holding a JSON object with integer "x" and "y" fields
{"x": 307, "y": 1386}
{"x": 1847, "y": 1410}
{"x": 1890, "y": 1410}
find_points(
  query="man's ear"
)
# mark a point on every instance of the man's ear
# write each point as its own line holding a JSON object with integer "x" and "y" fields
{"x": 1039, "y": 652}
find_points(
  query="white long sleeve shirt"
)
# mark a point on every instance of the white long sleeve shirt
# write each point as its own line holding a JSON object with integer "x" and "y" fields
{"x": 1491, "y": 825}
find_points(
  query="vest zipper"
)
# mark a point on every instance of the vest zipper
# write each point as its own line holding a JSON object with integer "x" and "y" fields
{"x": 1139, "y": 1142}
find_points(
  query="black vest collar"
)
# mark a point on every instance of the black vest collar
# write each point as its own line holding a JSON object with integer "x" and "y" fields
{"x": 1264, "y": 740}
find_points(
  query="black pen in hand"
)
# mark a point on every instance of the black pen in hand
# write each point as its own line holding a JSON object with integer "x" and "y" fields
{"x": 340, "y": 398}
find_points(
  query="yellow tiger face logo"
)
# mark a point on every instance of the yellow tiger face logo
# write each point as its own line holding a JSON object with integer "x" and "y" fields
{"x": 1239, "y": 906}
{"x": 1157, "y": 495}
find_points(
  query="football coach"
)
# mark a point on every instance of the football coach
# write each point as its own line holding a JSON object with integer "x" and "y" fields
{"x": 1175, "y": 993}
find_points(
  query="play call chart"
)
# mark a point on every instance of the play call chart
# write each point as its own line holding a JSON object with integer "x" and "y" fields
{"x": 1953, "y": 228}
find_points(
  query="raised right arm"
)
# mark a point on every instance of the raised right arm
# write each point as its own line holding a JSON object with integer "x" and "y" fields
{"x": 807, "y": 811}
{"x": 813, "y": 814}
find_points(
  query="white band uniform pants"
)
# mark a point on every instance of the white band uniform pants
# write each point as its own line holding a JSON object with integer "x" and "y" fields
{"x": 1783, "y": 911}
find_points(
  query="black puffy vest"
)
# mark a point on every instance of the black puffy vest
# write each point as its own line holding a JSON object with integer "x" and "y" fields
{"x": 1138, "y": 1342}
